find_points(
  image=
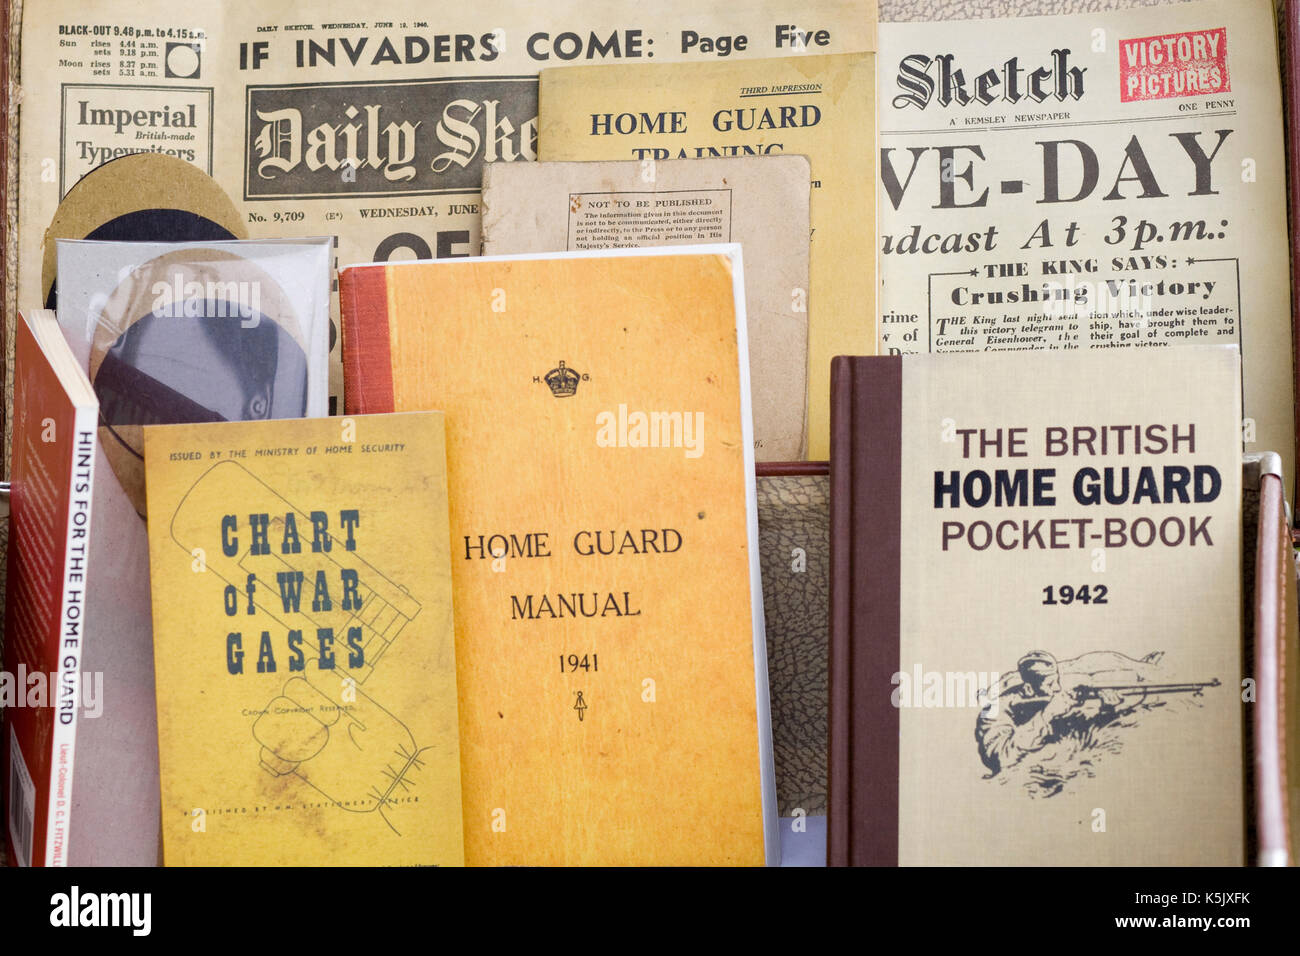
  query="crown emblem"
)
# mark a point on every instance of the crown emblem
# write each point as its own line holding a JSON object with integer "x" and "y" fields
{"x": 563, "y": 381}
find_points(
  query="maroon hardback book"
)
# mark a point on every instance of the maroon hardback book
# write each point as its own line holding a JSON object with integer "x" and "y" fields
{"x": 1037, "y": 610}
{"x": 866, "y": 530}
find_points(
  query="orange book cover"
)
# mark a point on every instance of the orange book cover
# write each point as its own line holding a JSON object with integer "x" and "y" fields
{"x": 611, "y": 665}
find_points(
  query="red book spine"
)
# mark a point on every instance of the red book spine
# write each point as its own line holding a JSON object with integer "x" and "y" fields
{"x": 866, "y": 538}
{"x": 53, "y": 473}
{"x": 367, "y": 352}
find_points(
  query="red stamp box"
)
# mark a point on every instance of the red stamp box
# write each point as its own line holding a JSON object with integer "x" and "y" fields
{"x": 1175, "y": 64}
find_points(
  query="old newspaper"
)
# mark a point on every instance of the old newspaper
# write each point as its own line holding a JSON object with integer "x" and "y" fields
{"x": 1105, "y": 180}
{"x": 368, "y": 122}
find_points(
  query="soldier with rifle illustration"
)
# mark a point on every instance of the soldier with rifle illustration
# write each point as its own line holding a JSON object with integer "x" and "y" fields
{"x": 1045, "y": 701}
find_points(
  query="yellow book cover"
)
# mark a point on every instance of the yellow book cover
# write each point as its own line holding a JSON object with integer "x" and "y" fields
{"x": 609, "y": 635}
{"x": 821, "y": 106}
{"x": 306, "y": 674}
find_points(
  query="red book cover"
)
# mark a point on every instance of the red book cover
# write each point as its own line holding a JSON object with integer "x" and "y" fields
{"x": 53, "y": 462}
{"x": 367, "y": 358}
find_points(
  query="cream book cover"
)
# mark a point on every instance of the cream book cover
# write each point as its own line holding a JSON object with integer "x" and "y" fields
{"x": 760, "y": 202}
{"x": 610, "y": 647}
{"x": 1036, "y": 639}
{"x": 820, "y": 106}
{"x": 305, "y": 658}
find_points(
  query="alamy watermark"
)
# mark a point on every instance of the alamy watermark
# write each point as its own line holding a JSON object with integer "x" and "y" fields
{"x": 211, "y": 299}
{"x": 24, "y": 688}
{"x": 922, "y": 688}
{"x": 1071, "y": 297}
{"x": 638, "y": 429}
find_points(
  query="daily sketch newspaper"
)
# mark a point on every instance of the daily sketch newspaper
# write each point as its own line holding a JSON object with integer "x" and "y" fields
{"x": 370, "y": 122}
{"x": 1104, "y": 180}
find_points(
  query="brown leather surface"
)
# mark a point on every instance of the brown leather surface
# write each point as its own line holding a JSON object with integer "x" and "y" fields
{"x": 793, "y": 535}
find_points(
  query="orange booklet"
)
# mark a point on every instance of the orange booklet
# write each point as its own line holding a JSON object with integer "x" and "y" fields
{"x": 609, "y": 635}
